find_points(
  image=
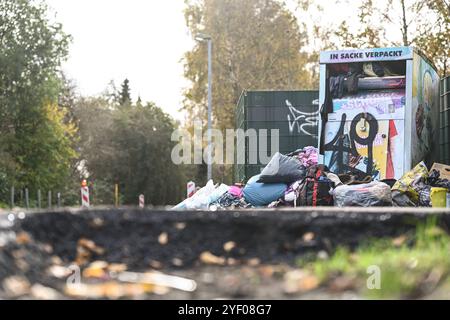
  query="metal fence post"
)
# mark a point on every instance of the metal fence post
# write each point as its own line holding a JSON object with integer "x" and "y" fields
{"x": 58, "y": 196}
{"x": 12, "y": 197}
{"x": 49, "y": 201}
{"x": 39, "y": 198}
{"x": 27, "y": 200}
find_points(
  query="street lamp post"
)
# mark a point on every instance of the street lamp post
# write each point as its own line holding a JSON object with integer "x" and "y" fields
{"x": 207, "y": 38}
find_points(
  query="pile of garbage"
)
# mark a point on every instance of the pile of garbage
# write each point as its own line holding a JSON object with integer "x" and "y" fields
{"x": 297, "y": 179}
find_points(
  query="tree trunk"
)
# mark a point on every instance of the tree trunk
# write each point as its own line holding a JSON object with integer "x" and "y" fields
{"x": 404, "y": 24}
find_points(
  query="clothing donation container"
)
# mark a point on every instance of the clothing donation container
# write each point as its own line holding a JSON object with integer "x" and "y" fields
{"x": 379, "y": 111}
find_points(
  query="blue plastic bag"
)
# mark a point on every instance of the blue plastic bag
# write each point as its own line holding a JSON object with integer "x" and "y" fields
{"x": 261, "y": 194}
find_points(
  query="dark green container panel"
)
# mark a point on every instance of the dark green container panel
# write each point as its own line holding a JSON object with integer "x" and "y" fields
{"x": 293, "y": 113}
{"x": 445, "y": 118}
{"x": 444, "y": 134}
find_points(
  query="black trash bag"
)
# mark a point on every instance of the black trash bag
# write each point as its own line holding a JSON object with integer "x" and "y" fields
{"x": 282, "y": 169}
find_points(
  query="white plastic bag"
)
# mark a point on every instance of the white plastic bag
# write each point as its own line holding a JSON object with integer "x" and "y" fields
{"x": 203, "y": 197}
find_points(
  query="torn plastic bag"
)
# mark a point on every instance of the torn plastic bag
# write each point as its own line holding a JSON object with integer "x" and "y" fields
{"x": 410, "y": 184}
{"x": 374, "y": 194}
{"x": 261, "y": 194}
{"x": 203, "y": 197}
{"x": 282, "y": 169}
{"x": 217, "y": 193}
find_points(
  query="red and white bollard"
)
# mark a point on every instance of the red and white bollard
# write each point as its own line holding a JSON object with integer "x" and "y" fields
{"x": 85, "y": 197}
{"x": 141, "y": 201}
{"x": 190, "y": 189}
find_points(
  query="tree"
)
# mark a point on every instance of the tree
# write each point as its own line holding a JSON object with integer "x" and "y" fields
{"x": 35, "y": 140}
{"x": 128, "y": 146}
{"x": 142, "y": 163}
{"x": 399, "y": 23}
{"x": 434, "y": 38}
{"x": 257, "y": 44}
{"x": 125, "y": 95}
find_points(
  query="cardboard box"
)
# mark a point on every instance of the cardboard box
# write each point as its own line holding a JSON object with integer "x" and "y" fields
{"x": 443, "y": 169}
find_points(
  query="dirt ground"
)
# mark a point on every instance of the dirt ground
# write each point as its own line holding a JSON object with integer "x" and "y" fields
{"x": 228, "y": 255}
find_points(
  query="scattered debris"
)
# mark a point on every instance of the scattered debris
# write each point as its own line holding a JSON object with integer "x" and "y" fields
{"x": 228, "y": 246}
{"x": 322, "y": 255}
{"x": 156, "y": 264}
{"x": 209, "y": 258}
{"x": 299, "y": 281}
{"x": 97, "y": 222}
{"x": 40, "y": 292}
{"x": 163, "y": 238}
{"x": 180, "y": 225}
{"x": 232, "y": 262}
{"x": 16, "y": 286}
{"x": 308, "y": 237}
{"x": 117, "y": 267}
{"x": 266, "y": 271}
{"x": 96, "y": 269}
{"x": 177, "y": 262}
{"x": 159, "y": 279}
{"x": 253, "y": 262}
{"x": 85, "y": 249}
{"x": 342, "y": 283}
{"x": 399, "y": 241}
{"x": 23, "y": 238}
{"x": 59, "y": 272}
{"x": 110, "y": 290}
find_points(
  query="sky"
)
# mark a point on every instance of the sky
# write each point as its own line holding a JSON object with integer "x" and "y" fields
{"x": 142, "y": 40}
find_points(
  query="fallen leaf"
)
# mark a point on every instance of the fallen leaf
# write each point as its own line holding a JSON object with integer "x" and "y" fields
{"x": 322, "y": 255}
{"x": 97, "y": 222}
{"x": 117, "y": 267}
{"x": 253, "y": 262}
{"x": 155, "y": 264}
{"x": 99, "y": 264}
{"x": 399, "y": 241}
{"x": 232, "y": 262}
{"x": 85, "y": 249}
{"x": 89, "y": 244}
{"x": 163, "y": 238}
{"x": 299, "y": 281}
{"x": 266, "y": 271}
{"x": 16, "y": 286}
{"x": 208, "y": 258}
{"x": 96, "y": 269}
{"x": 59, "y": 272}
{"x": 48, "y": 248}
{"x": 308, "y": 237}
{"x": 41, "y": 292}
{"x": 342, "y": 283}
{"x": 180, "y": 225}
{"x": 23, "y": 238}
{"x": 177, "y": 262}
{"x": 110, "y": 290}
{"x": 228, "y": 246}
{"x": 56, "y": 260}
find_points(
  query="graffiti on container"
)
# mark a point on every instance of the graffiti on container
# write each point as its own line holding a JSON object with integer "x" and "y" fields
{"x": 306, "y": 122}
{"x": 347, "y": 145}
